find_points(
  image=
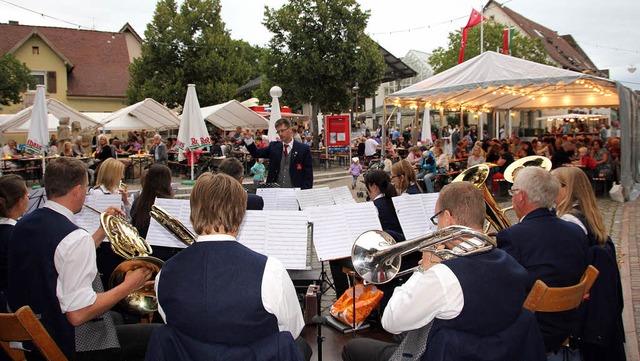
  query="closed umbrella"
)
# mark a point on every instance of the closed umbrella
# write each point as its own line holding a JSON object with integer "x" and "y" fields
{"x": 275, "y": 93}
{"x": 193, "y": 132}
{"x": 38, "y": 136}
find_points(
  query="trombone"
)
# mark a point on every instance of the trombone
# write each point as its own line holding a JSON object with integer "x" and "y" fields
{"x": 377, "y": 257}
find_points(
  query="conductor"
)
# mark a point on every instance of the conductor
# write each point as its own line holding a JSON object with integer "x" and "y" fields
{"x": 290, "y": 163}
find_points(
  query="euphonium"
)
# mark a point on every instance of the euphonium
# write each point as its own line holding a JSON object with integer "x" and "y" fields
{"x": 377, "y": 257}
{"x": 127, "y": 243}
{"x": 477, "y": 175}
{"x": 174, "y": 226}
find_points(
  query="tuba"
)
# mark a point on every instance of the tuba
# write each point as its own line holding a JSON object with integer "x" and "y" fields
{"x": 377, "y": 257}
{"x": 478, "y": 175}
{"x": 530, "y": 161}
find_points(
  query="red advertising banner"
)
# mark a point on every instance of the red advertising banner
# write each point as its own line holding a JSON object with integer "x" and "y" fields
{"x": 338, "y": 130}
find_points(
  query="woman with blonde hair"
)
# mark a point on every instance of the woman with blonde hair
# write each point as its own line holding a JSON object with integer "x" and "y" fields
{"x": 403, "y": 177}
{"x": 600, "y": 332}
{"x": 68, "y": 151}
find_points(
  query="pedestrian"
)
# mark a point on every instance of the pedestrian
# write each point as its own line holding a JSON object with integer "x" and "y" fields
{"x": 355, "y": 169}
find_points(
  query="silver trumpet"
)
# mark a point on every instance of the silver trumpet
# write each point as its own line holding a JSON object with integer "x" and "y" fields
{"x": 377, "y": 257}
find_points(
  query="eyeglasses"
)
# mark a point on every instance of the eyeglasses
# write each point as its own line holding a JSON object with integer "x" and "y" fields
{"x": 282, "y": 130}
{"x": 434, "y": 218}
{"x": 514, "y": 191}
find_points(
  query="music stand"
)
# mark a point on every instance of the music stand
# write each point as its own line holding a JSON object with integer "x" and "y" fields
{"x": 37, "y": 198}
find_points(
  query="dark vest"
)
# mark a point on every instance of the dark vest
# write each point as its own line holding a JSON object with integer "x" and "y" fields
{"x": 492, "y": 324}
{"x": 32, "y": 272}
{"x": 211, "y": 292}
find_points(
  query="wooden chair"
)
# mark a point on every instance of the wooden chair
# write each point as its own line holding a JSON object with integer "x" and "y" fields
{"x": 25, "y": 326}
{"x": 543, "y": 298}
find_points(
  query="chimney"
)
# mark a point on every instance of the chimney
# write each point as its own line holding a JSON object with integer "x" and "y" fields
{"x": 13, "y": 22}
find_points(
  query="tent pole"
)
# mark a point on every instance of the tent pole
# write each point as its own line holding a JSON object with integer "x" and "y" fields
{"x": 510, "y": 124}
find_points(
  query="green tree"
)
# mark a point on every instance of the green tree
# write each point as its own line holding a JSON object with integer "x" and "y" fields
{"x": 14, "y": 78}
{"x": 522, "y": 46}
{"x": 319, "y": 51}
{"x": 190, "y": 46}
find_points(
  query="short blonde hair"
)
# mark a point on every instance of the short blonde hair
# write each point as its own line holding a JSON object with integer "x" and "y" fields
{"x": 218, "y": 204}
{"x": 110, "y": 173}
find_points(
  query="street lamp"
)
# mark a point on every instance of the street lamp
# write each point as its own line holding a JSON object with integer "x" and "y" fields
{"x": 355, "y": 90}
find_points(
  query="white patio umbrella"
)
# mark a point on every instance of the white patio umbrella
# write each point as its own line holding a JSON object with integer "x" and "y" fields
{"x": 193, "y": 132}
{"x": 426, "y": 127}
{"x": 275, "y": 92}
{"x": 38, "y": 136}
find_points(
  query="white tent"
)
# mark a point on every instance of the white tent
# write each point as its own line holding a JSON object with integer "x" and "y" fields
{"x": 19, "y": 122}
{"x": 229, "y": 115}
{"x": 147, "y": 114}
{"x": 497, "y": 81}
{"x": 493, "y": 81}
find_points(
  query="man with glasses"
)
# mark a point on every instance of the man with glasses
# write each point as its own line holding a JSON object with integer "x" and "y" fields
{"x": 552, "y": 250}
{"x": 460, "y": 309}
{"x": 290, "y": 163}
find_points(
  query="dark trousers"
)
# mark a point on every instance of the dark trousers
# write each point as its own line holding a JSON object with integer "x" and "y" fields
{"x": 364, "y": 349}
{"x": 133, "y": 338}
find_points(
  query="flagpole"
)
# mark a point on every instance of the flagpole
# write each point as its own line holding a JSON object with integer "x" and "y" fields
{"x": 482, "y": 33}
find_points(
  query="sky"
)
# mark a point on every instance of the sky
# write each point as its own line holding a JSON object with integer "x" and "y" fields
{"x": 608, "y": 31}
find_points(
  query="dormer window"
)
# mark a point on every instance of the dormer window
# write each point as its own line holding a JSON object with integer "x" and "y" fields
{"x": 35, "y": 50}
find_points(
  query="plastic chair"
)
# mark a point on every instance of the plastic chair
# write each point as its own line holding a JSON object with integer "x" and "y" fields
{"x": 25, "y": 326}
{"x": 543, "y": 298}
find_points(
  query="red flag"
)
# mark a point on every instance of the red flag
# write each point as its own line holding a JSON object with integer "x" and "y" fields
{"x": 507, "y": 37}
{"x": 475, "y": 19}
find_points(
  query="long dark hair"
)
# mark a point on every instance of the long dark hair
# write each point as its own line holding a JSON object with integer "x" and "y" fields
{"x": 12, "y": 189}
{"x": 157, "y": 184}
{"x": 381, "y": 179}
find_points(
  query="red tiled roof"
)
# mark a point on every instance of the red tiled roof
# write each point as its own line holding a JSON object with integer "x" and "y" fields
{"x": 562, "y": 49}
{"x": 100, "y": 59}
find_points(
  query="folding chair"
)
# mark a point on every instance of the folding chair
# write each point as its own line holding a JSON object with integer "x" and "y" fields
{"x": 543, "y": 298}
{"x": 25, "y": 326}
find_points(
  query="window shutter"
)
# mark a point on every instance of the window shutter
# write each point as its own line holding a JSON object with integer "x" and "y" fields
{"x": 51, "y": 82}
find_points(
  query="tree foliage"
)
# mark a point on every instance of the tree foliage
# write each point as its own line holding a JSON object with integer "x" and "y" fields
{"x": 190, "y": 46}
{"x": 14, "y": 78}
{"x": 319, "y": 51}
{"x": 522, "y": 46}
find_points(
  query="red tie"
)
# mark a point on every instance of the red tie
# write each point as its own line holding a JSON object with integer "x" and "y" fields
{"x": 286, "y": 150}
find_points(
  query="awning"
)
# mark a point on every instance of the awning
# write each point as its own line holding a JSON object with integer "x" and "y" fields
{"x": 19, "y": 122}
{"x": 229, "y": 115}
{"x": 147, "y": 114}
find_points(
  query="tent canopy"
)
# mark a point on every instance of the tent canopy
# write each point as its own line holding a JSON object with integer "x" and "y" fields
{"x": 229, "y": 115}
{"x": 147, "y": 114}
{"x": 573, "y": 117}
{"x": 497, "y": 81}
{"x": 19, "y": 122}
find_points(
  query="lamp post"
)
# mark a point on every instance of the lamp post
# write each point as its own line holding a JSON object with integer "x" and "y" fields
{"x": 355, "y": 90}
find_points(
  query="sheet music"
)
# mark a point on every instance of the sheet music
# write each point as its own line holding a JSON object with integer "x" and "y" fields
{"x": 90, "y": 220}
{"x": 342, "y": 195}
{"x": 315, "y": 197}
{"x": 283, "y": 199}
{"x": 335, "y": 228}
{"x": 177, "y": 208}
{"x": 414, "y": 212}
{"x": 279, "y": 234}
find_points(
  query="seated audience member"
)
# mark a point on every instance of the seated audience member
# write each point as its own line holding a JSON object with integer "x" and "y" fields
{"x": 603, "y": 159}
{"x": 53, "y": 270}
{"x": 14, "y": 199}
{"x": 465, "y": 308}
{"x": 562, "y": 155}
{"x": 551, "y": 249}
{"x": 234, "y": 168}
{"x": 476, "y": 157}
{"x": 427, "y": 170}
{"x": 256, "y": 316}
{"x": 67, "y": 150}
{"x": 600, "y": 332}
{"x": 103, "y": 151}
{"x": 526, "y": 149}
{"x": 78, "y": 148}
{"x": 460, "y": 152}
{"x": 414, "y": 156}
{"x": 506, "y": 158}
{"x": 442, "y": 160}
{"x": 403, "y": 177}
